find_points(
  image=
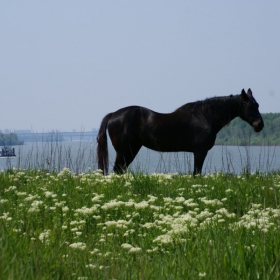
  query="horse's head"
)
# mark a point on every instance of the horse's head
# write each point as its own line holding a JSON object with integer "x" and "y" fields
{"x": 249, "y": 110}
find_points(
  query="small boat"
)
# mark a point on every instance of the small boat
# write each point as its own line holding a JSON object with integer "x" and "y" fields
{"x": 7, "y": 152}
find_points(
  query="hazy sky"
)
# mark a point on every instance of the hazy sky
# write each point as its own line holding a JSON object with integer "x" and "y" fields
{"x": 65, "y": 64}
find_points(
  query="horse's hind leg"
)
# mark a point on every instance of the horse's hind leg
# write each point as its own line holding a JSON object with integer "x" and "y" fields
{"x": 120, "y": 164}
{"x": 124, "y": 158}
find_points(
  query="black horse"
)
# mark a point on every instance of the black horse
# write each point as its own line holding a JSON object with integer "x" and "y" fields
{"x": 191, "y": 128}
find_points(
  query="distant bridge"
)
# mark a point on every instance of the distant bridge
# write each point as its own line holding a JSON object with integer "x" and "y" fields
{"x": 57, "y": 136}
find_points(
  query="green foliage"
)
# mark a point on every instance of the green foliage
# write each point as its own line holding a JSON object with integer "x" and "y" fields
{"x": 241, "y": 133}
{"x": 137, "y": 226}
{"x": 9, "y": 139}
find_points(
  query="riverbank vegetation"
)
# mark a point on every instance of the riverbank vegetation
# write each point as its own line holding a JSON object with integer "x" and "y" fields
{"x": 9, "y": 139}
{"x": 239, "y": 133}
{"x": 136, "y": 226}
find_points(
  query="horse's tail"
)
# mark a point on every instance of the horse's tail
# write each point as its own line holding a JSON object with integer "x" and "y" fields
{"x": 102, "y": 146}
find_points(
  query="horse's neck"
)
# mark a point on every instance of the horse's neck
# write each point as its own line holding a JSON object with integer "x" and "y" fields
{"x": 225, "y": 113}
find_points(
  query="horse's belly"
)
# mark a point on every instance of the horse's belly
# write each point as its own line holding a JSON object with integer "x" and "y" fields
{"x": 178, "y": 143}
{"x": 169, "y": 149}
{"x": 168, "y": 146}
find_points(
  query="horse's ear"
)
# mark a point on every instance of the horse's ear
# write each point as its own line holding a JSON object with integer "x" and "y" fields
{"x": 250, "y": 93}
{"x": 244, "y": 95}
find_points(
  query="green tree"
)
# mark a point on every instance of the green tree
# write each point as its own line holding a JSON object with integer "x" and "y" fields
{"x": 9, "y": 139}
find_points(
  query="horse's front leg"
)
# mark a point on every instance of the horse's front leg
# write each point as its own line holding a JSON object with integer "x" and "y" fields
{"x": 199, "y": 158}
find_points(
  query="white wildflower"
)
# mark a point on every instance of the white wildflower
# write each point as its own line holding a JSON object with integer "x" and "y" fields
{"x": 11, "y": 188}
{"x": 31, "y": 197}
{"x": 65, "y": 209}
{"x": 149, "y": 225}
{"x": 179, "y": 199}
{"x": 87, "y": 211}
{"x": 167, "y": 200}
{"x": 35, "y": 206}
{"x": 141, "y": 205}
{"x": 204, "y": 214}
{"x": 44, "y": 237}
{"x": 223, "y": 211}
{"x": 6, "y": 216}
{"x": 135, "y": 250}
{"x": 112, "y": 204}
{"x": 64, "y": 171}
{"x": 163, "y": 239}
{"x": 96, "y": 217}
{"x": 21, "y": 193}
{"x": 126, "y": 246}
{"x": 213, "y": 202}
{"x": 97, "y": 198}
{"x": 78, "y": 245}
{"x": 92, "y": 266}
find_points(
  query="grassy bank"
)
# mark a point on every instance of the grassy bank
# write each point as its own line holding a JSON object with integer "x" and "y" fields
{"x": 86, "y": 226}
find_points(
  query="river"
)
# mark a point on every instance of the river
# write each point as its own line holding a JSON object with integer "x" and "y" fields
{"x": 81, "y": 155}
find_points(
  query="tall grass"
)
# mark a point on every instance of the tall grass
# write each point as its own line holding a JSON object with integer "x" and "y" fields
{"x": 55, "y": 155}
{"x": 137, "y": 226}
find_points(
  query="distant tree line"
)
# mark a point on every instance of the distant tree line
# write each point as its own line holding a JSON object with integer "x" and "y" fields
{"x": 9, "y": 139}
{"x": 241, "y": 133}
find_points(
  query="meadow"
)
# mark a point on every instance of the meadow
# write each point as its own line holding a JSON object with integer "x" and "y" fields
{"x": 61, "y": 225}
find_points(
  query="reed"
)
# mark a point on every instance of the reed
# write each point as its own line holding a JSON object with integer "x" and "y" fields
{"x": 52, "y": 154}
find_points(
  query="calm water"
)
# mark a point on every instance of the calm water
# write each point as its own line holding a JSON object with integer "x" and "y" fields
{"x": 81, "y": 155}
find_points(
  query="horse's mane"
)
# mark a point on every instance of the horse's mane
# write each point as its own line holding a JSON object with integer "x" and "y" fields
{"x": 212, "y": 103}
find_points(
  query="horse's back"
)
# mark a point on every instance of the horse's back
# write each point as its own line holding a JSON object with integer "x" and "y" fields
{"x": 131, "y": 115}
{"x": 134, "y": 110}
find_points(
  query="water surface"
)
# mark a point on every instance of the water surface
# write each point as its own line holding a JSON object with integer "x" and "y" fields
{"x": 81, "y": 155}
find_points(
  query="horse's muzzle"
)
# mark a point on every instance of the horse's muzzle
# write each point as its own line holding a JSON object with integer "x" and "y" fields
{"x": 258, "y": 125}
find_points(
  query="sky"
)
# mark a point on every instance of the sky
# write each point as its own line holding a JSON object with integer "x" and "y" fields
{"x": 65, "y": 64}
